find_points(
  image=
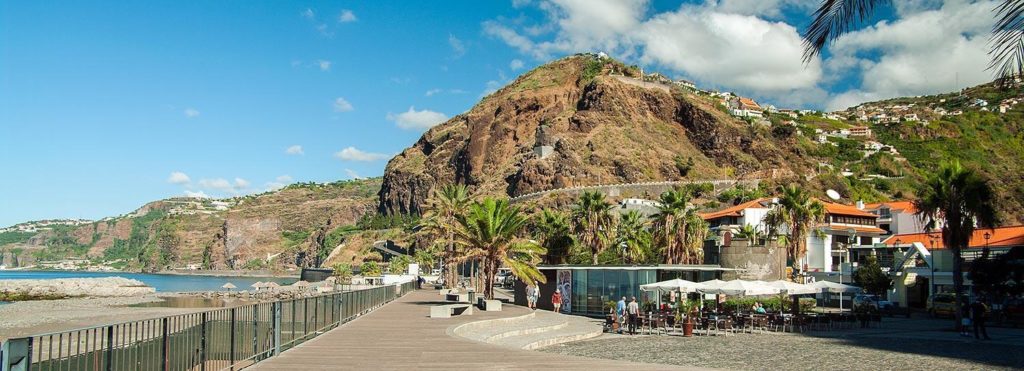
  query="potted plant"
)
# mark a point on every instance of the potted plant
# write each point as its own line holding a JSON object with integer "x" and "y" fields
{"x": 690, "y": 308}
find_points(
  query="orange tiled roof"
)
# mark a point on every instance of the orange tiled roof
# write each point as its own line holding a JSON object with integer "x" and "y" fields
{"x": 749, "y": 102}
{"x": 904, "y": 206}
{"x": 840, "y": 209}
{"x": 998, "y": 237}
{"x": 735, "y": 210}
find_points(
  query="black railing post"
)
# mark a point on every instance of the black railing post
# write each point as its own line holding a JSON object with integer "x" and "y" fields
{"x": 255, "y": 330}
{"x": 165, "y": 343}
{"x": 110, "y": 348}
{"x": 202, "y": 342}
{"x": 231, "y": 348}
{"x": 276, "y": 309}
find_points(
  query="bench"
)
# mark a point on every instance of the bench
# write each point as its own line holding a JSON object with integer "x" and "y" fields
{"x": 448, "y": 310}
{"x": 444, "y": 291}
{"x": 488, "y": 305}
{"x": 462, "y": 298}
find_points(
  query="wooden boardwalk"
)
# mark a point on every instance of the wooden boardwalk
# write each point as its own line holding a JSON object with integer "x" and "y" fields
{"x": 401, "y": 336}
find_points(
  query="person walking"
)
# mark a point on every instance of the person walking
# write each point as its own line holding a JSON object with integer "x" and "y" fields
{"x": 620, "y": 314}
{"x": 532, "y": 296}
{"x": 556, "y": 300}
{"x": 634, "y": 311}
{"x": 978, "y": 311}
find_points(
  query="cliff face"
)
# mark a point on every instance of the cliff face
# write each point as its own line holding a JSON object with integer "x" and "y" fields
{"x": 563, "y": 125}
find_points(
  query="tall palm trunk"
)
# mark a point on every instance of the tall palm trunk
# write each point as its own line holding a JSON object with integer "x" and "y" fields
{"x": 958, "y": 282}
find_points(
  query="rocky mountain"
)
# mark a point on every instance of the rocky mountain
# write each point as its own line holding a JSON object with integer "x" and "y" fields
{"x": 587, "y": 120}
{"x": 584, "y": 120}
{"x": 270, "y": 230}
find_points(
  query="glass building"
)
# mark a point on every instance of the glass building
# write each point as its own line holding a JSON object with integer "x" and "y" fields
{"x": 586, "y": 289}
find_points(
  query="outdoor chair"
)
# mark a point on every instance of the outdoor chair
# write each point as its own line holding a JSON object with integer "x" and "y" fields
{"x": 726, "y": 326}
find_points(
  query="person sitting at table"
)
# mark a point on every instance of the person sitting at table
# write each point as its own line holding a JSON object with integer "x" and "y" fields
{"x": 759, "y": 309}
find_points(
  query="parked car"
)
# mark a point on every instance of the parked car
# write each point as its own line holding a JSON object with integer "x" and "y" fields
{"x": 872, "y": 300}
{"x": 504, "y": 279}
{"x": 944, "y": 305}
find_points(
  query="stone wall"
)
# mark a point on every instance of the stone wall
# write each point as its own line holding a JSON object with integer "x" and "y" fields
{"x": 759, "y": 262}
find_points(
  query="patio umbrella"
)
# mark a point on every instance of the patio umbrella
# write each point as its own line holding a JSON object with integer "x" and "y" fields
{"x": 835, "y": 288}
{"x": 228, "y": 286}
{"x": 257, "y": 286}
{"x": 677, "y": 284}
{"x": 715, "y": 283}
{"x": 793, "y": 289}
{"x": 271, "y": 285}
{"x": 742, "y": 288}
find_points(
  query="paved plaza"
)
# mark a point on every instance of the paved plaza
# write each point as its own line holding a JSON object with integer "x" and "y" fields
{"x": 902, "y": 344}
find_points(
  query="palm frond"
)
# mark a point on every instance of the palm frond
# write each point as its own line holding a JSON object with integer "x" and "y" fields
{"x": 833, "y": 19}
{"x": 1007, "y": 41}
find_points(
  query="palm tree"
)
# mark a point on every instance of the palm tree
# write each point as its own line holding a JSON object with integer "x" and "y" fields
{"x": 956, "y": 200}
{"x": 440, "y": 222}
{"x": 592, "y": 222}
{"x": 634, "y": 238}
{"x": 749, "y": 233}
{"x": 837, "y": 17}
{"x": 490, "y": 230}
{"x": 554, "y": 234}
{"x": 799, "y": 214}
{"x": 679, "y": 229}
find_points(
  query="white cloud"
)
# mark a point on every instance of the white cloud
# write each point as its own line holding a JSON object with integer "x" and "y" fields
{"x": 219, "y": 184}
{"x": 241, "y": 184}
{"x": 515, "y": 64}
{"x": 433, "y": 92}
{"x": 324, "y": 65}
{"x": 413, "y": 119}
{"x": 342, "y": 105}
{"x": 929, "y": 50}
{"x": 191, "y": 112}
{"x": 766, "y": 8}
{"x": 308, "y": 13}
{"x": 278, "y": 183}
{"x": 196, "y": 194}
{"x": 458, "y": 47}
{"x": 346, "y": 16}
{"x": 352, "y": 174}
{"x": 355, "y": 154}
{"x": 178, "y": 177}
{"x": 733, "y": 50}
{"x": 294, "y": 150}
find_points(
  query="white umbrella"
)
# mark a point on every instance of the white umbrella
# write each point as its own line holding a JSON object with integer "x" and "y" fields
{"x": 677, "y": 284}
{"x": 258, "y": 285}
{"x": 793, "y": 288}
{"x": 228, "y": 286}
{"x": 742, "y": 288}
{"x": 836, "y": 288}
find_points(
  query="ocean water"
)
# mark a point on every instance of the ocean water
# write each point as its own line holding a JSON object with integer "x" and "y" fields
{"x": 160, "y": 282}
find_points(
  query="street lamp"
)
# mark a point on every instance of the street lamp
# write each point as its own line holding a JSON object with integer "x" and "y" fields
{"x": 987, "y": 236}
{"x": 931, "y": 266}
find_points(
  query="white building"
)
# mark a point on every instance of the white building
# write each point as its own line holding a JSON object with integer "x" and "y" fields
{"x": 845, "y": 232}
{"x": 897, "y": 217}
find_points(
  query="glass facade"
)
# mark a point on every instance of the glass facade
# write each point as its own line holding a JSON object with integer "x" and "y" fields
{"x": 592, "y": 288}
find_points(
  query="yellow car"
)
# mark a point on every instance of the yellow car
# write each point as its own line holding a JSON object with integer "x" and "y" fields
{"x": 944, "y": 305}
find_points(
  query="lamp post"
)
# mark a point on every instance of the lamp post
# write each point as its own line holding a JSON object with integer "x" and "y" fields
{"x": 987, "y": 236}
{"x": 931, "y": 266}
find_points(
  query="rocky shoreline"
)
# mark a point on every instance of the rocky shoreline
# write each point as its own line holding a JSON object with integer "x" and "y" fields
{"x": 61, "y": 288}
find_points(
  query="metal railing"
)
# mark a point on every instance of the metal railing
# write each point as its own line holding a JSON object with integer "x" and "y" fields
{"x": 219, "y": 339}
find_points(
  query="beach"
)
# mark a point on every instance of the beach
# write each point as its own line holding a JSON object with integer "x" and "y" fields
{"x": 43, "y": 316}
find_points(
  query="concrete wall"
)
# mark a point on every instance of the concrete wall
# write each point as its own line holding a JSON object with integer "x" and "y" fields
{"x": 767, "y": 263}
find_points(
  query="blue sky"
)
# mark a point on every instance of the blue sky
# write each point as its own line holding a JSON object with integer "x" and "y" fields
{"x": 107, "y": 105}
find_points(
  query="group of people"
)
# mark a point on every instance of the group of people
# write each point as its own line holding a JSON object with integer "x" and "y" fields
{"x": 533, "y": 294}
{"x": 758, "y": 308}
{"x": 627, "y": 314}
{"x": 974, "y": 315}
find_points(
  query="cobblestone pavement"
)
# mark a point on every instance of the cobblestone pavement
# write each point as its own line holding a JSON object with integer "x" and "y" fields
{"x": 898, "y": 344}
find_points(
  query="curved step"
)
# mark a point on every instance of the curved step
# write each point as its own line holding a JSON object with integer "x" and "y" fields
{"x": 575, "y": 331}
